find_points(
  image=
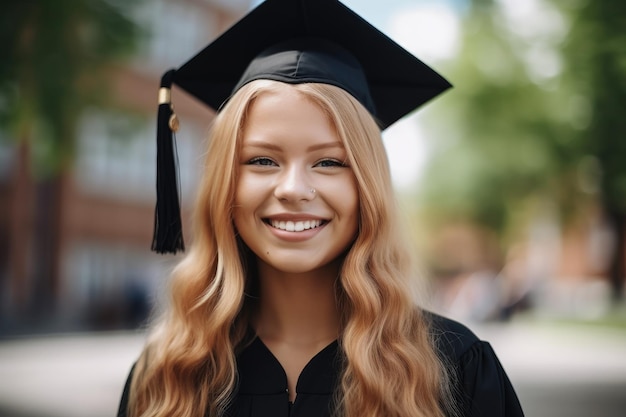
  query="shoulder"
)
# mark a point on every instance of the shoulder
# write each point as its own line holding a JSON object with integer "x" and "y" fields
{"x": 452, "y": 338}
{"x": 478, "y": 381}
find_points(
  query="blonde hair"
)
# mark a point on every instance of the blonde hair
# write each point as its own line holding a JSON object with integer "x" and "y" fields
{"x": 391, "y": 367}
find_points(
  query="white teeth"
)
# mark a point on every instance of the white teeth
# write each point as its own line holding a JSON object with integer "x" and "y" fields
{"x": 298, "y": 226}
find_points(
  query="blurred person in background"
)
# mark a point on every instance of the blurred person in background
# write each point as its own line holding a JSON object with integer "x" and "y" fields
{"x": 295, "y": 298}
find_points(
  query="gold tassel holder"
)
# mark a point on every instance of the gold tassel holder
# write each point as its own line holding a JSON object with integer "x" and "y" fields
{"x": 165, "y": 97}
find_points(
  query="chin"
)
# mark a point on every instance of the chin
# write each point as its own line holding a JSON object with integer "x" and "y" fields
{"x": 295, "y": 265}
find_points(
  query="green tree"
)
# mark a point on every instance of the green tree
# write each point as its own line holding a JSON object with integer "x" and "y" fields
{"x": 57, "y": 62}
{"x": 596, "y": 73}
{"x": 506, "y": 135}
{"x": 536, "y": 107}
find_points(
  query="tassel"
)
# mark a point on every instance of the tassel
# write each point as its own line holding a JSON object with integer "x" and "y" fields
{"x": 168, "y": 229}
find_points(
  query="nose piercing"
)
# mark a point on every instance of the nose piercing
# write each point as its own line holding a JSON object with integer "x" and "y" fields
{"x": 312, "y": 190}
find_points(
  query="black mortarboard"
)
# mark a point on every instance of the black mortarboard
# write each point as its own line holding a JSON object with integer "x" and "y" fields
{"x": 293, "y": 41}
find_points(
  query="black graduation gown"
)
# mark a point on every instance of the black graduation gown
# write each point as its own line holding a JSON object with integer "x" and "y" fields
{"x": 481, "y": 385}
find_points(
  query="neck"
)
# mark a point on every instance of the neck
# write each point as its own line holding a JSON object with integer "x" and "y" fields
{"x": 298, "y": 308}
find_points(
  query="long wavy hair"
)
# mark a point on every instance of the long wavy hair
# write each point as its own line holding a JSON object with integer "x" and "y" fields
{"x": 390, "y": 368}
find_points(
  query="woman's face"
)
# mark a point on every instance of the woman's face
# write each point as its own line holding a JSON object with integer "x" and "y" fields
{"x": 296, "y": 202}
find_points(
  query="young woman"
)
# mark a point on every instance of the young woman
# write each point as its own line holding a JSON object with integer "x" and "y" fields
{"x": 295, "y": 298}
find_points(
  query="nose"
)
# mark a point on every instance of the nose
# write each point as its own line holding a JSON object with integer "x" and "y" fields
{"x": 293, "y": 184}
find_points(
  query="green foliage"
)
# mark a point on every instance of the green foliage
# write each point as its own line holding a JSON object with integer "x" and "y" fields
{"x": 514, "y": 130}
{"x": 56, "y": 65}
{"x": 596, "y": 53}
{"x": 536, "y": 120}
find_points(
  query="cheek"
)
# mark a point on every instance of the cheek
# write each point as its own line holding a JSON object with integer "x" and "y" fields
{"x": 241, "y": 202}
{"x": 240, "y": 186}
{"x": 250, "y": 196}
{"x": 244, "y": 192}
{"x": 349, "y": 202}
{"x": 354, "y": 216}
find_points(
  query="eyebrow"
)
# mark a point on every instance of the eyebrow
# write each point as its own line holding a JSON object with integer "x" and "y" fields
{"x": 268, "y": 145}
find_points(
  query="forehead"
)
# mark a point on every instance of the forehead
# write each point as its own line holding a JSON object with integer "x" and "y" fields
{"x": 280, "y": 106}
{"x": 283, "y": 94}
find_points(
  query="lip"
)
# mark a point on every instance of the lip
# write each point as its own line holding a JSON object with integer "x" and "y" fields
{"x": 301, "y": 221}
{"x": 293, "y": 217}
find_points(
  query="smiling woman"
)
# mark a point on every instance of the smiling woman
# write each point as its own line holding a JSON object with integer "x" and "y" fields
{"x": 290, "y": 147}
{"x": 295, "y": 298}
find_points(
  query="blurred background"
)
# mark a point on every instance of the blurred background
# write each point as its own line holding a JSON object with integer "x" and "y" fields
{"x": 513, "y": 184}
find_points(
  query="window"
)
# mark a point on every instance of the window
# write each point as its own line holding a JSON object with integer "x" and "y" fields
{"x": 176, "y": 31}
{"x": 116, "y": 157}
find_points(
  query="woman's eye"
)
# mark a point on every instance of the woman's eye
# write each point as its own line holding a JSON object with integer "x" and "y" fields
{"x": 261, "y": 161}
{"x": 326, "y": 163}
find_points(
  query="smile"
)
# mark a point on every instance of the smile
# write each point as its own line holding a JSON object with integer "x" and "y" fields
{"x": 295, "y": 226}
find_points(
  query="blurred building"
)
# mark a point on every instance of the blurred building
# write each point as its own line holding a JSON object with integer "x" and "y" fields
{"x": 93, "y": 268}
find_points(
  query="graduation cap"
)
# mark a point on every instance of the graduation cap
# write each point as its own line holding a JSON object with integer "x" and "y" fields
{"x": 292, "y": 41}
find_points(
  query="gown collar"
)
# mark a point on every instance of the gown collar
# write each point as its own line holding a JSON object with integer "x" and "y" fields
{"x": 260, "y": 372}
